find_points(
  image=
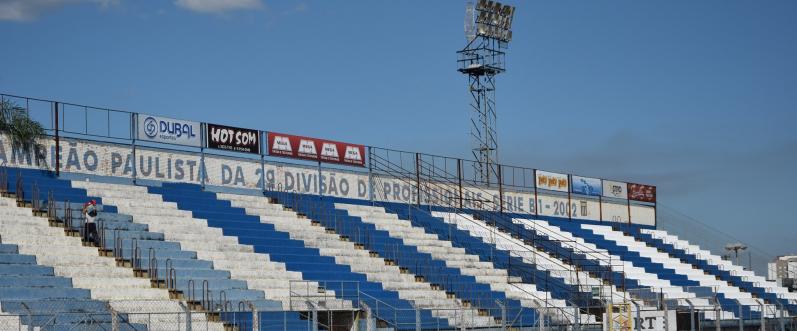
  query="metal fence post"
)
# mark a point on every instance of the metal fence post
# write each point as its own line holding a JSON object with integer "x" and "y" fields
{"x": 666, "y": 315}
{"x": 691, "y": 315}
{"x": 418, "y": 178}
{"x": 718, "y": 317}
{"x": 57, "y": 143}
{"x": 188, "y": 318}
{"x": 636, "y": 321}
{"x": 501, "y": 190}
{"x": 503, "y": 314}
{"x": 314, "y": 325}
{"x": 370, "y": 320}
{"x": 780, "y": 312}
{"x": 417, "y": 318}
{"x": 763, "y": 314}
{"x": 256, "y": 317}
{"x": 542, "y": 320}
{"x": 741, "y": 316}
{"x": 114, "y": 319}
{"x": 459, "y": 179}
{"x": 203, "y": 141}
{"x": 134, "y": 133}
{"x": 370, "y": 176}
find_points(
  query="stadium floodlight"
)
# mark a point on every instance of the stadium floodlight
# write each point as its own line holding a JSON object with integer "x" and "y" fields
{"x": 488, "y": 30}
{"x": 495, "y": 18}
{"x": 470, "y": 23}
{"x": 735, "y": 248}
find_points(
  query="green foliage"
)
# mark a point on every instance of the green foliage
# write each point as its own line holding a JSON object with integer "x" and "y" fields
{"x": 23, "y": 132}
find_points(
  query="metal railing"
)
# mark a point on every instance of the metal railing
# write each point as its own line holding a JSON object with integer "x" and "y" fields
{"x": 426, "y": 177}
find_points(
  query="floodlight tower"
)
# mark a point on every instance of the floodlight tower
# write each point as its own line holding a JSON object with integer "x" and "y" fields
{"x": 488, "y": 32}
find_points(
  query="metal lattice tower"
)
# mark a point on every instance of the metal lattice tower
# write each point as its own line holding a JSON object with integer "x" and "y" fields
{"x": 487, "y": 29}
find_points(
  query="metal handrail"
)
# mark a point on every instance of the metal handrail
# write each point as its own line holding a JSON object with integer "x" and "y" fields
{"x": 3, "y": 179}
{"x": 51, "y": 206}
{"x": 136, "y": 256}
{"x": 415, "y": 207}
{"x": 169, "y": 264}
{"x": 34, "y": 199}
{"x": 68, "y": 219}
{"x": 487, "y": 213}
{"x": 153, "y": 265}
{"x": 316, "y": 210}
{"x": 20, "y": 189}
{"x": 191, "y": 290}
{"x": 206, "y": 297}
{"x": 117, "y": 249}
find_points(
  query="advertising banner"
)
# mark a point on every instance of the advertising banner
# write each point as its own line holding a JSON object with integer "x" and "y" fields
{"x": 233, "y": 139}
{"x": 147, "y": 163}
{"x": 299, "y": 147}
{"x": 645, "y": 320}
{"x": 586, "y": 186}
{"x": 168, "y": 130}
{"x": 552, "y": 181}
{"x": 640, "y": 192}
{"x": 612, "y": 189}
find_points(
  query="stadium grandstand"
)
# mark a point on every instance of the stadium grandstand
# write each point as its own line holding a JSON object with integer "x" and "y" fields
{"x": 203, "y": 226}
{"x": 121, "y": 221}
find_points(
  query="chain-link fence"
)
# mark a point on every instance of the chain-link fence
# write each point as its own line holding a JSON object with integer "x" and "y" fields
{"x": 704, "y": 308}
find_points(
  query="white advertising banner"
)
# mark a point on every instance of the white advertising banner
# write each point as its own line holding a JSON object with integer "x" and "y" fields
{"x": 612, "y": 189}
{"x": 106, "y": 159}
{"x": 643, "y": 215}
{"x": 647, "y": 320}
{"x": 552, "y": 181}
{"x": 614, "y": 212}
{"x": 586, "y": 209}
{"x": 168, "y": 130}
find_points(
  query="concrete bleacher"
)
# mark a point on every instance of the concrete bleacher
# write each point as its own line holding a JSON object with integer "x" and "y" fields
{"x": 43, "y": 299}
{"x": 515, "y": 265}
{"x": 43, "y": 293}
{"x": 329, "y": 243}
{"x": 483, "y": 272}
{"x": 201, "y": 260}
{"x": 647, "y": 281}
{"x": 101, "y": 275}
{"x": 716, "y": 266}
{"x": 282, "y": 254}
{"x": 667, "y": 268}
{"x": 295, "y": 254}
{"x": 533, "y": 255}
{"x": 414, "y": 262}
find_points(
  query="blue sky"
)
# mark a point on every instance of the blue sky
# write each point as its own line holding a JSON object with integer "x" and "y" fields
{"x": 696, "y": 97}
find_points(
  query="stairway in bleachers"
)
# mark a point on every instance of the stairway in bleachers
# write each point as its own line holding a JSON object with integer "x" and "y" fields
{"x": 405, "y": 257}
{"x": 435, "y": 271}
{"x": 44, "y": 299}
{"x": 295, "y": 254}
{"x": 532, "y": 255}
{"x": 653, "y": 285}
{"x": 483, "y": 272}
{"x": 718, "y": 267}
{"x": 678, "y": 274}
{"x": 529, "y": 273}
{"x": 107, "y": 278}
{"x": 197, "y": 278}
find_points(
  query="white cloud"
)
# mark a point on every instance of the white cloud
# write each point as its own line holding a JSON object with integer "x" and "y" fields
{"x": 218, "y": 6}
{"x": 26, "y": 10}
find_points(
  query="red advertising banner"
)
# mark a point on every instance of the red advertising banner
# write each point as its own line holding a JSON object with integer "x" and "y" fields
{"x": 298, "y": 147}
{"x": 640, "y": 192}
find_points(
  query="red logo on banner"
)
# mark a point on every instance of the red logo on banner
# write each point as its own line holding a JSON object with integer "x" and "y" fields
{"x": 640, "y": 192}
{"x": 307, "y": 148}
